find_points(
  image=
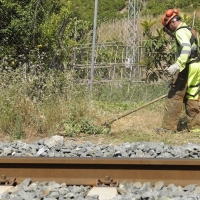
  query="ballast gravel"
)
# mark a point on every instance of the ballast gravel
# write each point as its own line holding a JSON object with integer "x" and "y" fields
{"x": 126, "y": 191}
{"x": 45, "y": 191}
{"x": 56, "y": 146}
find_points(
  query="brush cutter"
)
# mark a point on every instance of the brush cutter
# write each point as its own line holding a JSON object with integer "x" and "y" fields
{"x": 108, "y": 123}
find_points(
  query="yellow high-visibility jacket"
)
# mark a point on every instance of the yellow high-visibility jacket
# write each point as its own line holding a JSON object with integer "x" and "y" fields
{"x": 187, "y": 55}
{"x": 184, "y": 47}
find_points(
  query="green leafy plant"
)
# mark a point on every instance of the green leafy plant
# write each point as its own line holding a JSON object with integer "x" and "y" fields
{"x": 85, "y": 125}
{"x": 158, "y": 50}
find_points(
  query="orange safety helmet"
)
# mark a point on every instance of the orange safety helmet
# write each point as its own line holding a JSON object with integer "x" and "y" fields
{"x": 169, "y": 14}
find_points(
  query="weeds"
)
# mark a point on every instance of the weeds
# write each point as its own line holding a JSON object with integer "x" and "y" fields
{"x": 49, "y": 104}
{"x": 73, "y": 127}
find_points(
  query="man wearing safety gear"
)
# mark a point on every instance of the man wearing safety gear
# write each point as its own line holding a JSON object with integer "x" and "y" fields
{"x": 186, "y": 69}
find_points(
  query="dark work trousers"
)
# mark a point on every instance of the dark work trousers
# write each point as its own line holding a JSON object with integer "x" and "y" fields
{"x": 174, "y": 104}
{"x": 175, "y": 99}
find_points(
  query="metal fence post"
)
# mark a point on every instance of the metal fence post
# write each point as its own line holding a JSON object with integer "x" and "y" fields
{"x": 93, "y": 48}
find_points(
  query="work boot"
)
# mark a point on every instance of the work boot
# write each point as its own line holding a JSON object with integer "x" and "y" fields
{"x": 162, "y": 130}
{"x": 182, "y": 125}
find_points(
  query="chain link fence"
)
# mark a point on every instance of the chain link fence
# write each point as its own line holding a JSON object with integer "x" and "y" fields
{"x": 22, "y": 46}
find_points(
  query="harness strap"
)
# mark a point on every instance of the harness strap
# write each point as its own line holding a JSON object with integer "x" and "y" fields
{"x": 193, "y": 61}
{"x": 192, "y": 39}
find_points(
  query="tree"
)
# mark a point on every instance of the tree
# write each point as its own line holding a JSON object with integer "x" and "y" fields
{"x": 158, "y": 51}
{"x": 32, "y": 27}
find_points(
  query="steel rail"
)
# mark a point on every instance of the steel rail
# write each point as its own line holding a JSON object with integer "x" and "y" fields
{"x": 91, "y": 171}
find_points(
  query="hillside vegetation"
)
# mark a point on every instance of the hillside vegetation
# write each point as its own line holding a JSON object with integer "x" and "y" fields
{"x": 107, "y": 10}
{"x": 157, "y": 7}
{"x": 152, "y": 9}
{"x": 111, "y": 9}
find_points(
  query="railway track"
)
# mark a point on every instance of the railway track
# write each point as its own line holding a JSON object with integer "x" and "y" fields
{"x": 99, "y": 171}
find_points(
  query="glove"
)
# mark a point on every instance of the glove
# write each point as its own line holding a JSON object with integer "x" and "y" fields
{"x": 172, "y": 69}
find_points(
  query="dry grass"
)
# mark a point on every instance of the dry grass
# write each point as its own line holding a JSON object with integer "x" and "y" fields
{"x": 118, "y": 30}
{"x": 136, "y": 127}
{"x": 115, "y": 31}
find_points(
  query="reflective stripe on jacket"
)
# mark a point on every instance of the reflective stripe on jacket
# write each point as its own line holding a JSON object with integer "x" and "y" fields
{"x": 184, "y": 48}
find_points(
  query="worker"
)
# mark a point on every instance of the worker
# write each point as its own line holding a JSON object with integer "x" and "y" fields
{"x": 186, "y": 76}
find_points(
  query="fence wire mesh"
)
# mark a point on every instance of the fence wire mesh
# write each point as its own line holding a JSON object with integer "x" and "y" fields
{"x": 30, "y": 36}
